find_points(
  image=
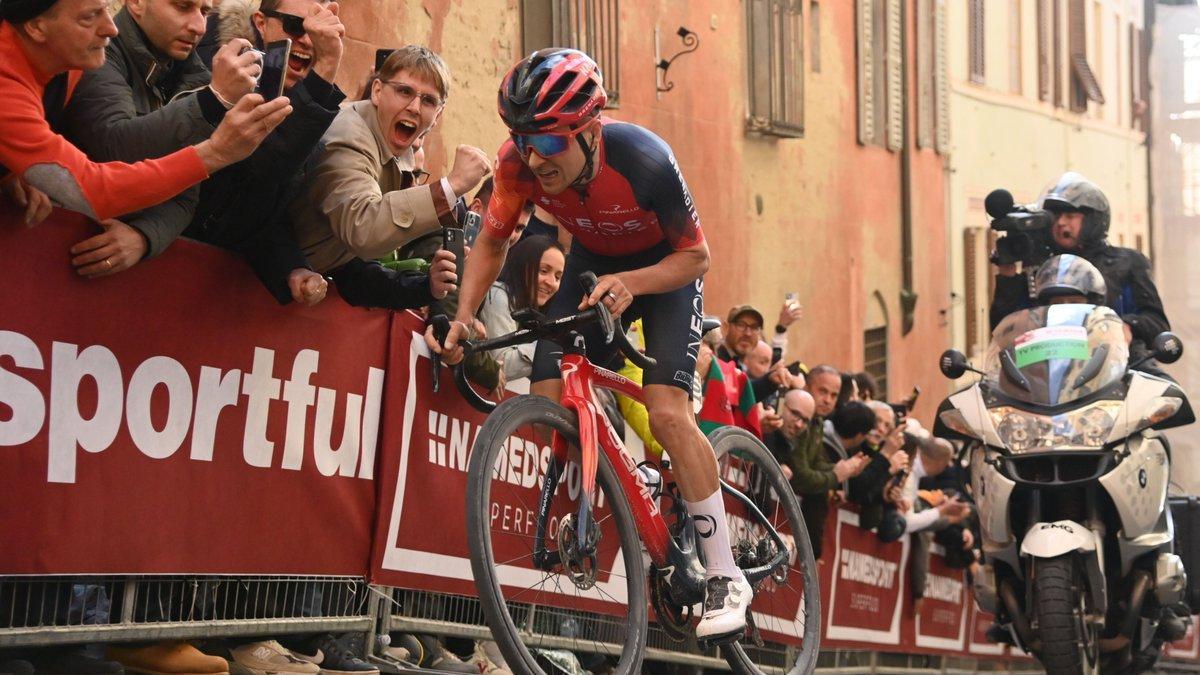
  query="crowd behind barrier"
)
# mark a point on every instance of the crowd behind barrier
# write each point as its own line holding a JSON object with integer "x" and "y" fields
{"x": 225, "y": 466}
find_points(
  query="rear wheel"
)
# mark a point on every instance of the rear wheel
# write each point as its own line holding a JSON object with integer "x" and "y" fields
{"x": 588, "y": 601}
{"x": 1069, "y": 644}
{"x": 787, "y": 604}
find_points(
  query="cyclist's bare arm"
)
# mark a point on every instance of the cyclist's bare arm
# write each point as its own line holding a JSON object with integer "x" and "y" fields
{"x": 480, "y": 271}
{"x": 681, "y": 267}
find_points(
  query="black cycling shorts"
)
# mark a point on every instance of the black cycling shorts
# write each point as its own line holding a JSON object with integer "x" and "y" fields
{"x": 671, "y": 321}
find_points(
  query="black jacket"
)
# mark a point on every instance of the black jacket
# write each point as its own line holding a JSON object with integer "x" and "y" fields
{"x": 866, "y": 489}
{"x": 1131, "y": 292}
{"x": 243, "y": 207}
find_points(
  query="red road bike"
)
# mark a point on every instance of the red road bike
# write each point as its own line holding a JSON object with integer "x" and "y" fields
{"x": 563, "y": 523}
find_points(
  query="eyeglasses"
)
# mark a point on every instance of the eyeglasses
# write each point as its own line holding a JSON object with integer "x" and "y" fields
{"x": 545, "y": 145}
{"x": 746, "y": 327}
{"x": 420, "y": 177}
{"x": 406, "y": 94}
{"x": 292, "y": 25}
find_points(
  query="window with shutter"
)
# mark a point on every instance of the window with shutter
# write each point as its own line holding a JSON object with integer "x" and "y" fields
{"x": 865, "y": 25}
{"x": 776, "y": 67}
{"x": 971, "y": 306}
{"x": 592, "y": 26}
{"x": 814, "y": 35}
{"x": 1044, "y": 46}
{"x": 1014, "y": 47}
{"x": 925, "y": 74}
{"x": 976, "y": 29}
{"x": 1084, "y": 85}
{"x": 895, "y": 77}
{"x": 875, "y": 357}
{"x": 941, "y": 78}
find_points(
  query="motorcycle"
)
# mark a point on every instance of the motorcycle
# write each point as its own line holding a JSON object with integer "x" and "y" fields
{"x": 1070, "y": 474}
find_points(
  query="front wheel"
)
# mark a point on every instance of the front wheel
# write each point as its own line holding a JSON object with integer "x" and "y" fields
{"x": 787, "y": 604}
{"x": 1069, "y": 645}
{"x": 578, "y": 598}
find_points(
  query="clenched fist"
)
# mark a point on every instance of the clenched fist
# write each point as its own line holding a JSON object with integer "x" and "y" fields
{"x": 326, "y": 31}
{"x": 470, "y": 166}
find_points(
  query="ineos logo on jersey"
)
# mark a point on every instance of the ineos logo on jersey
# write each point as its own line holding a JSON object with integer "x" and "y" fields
{"x": 602, "y": 226}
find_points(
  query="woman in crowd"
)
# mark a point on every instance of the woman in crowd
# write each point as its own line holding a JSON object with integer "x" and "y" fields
{"x": 530, "y": 277}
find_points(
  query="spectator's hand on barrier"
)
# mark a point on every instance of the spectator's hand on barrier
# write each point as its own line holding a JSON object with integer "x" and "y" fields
{"x": 954, "y": 510}
{"x": 235, "y": 71}
{"x": 326, "y": 31}
{"x": 243, "y": 129}
{"x": 35, "y": 202}
{"x": 790, "y": 313}
{"x": 116, "y": 249}
{"x": 470, "y": 166}
{"x": 611, "y": 289}
{"x": 897, "y": 462}
{"x": 848, "y": 468}
{"x": 308, "y": 287}
{"x": 451, "y": 352}
{"x": 442, "y": 279}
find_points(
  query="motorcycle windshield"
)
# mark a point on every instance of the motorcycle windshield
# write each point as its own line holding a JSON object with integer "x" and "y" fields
{"x": 1056, "y": 354}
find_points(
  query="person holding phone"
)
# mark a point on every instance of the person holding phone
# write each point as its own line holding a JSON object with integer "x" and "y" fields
{"x": 45, "y": 46}
{"x": 360, "y": 201}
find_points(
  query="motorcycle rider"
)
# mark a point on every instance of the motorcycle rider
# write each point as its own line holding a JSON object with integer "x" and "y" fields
{"x": 1069, "y": 279}
{"x": 1081, "y": 219}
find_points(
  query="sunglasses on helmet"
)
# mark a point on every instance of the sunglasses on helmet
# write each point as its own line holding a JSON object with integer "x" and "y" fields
{"x": 292, "y": 25}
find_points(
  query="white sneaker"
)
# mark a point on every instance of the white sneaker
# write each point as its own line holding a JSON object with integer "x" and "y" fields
{"x": 270, "y": 658}
{"x": 725, "y": 606}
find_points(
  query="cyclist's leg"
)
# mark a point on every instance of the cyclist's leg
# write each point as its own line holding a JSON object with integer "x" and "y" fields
{"x": 672, "y": 332}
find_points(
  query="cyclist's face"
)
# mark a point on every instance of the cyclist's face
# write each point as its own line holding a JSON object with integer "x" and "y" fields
{"x": 556, "y": 173}
{"x": 549, "y": 275}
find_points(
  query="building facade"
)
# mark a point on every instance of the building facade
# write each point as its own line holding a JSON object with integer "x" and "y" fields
{"x": 1040, "y": 87}
{"x": 807, "y": 131}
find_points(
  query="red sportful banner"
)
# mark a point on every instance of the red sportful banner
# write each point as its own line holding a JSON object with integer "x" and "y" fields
{"x": 173, "y": 418}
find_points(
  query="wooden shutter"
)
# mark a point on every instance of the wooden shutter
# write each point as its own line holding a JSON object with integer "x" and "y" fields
{"x": 925, "y": 74}
{"x": 978, "y": 53}
{"x": 866, "y": 71}
{"x": 895, "y": 77}
{"x": 941, "y": 78}
{"x": 1045, "y": 27}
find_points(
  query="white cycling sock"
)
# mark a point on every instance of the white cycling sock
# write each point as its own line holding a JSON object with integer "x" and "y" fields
{"x": 713, "y": 531}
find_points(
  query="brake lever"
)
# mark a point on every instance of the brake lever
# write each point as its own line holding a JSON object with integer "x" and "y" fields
{"x": 607, "y": 323}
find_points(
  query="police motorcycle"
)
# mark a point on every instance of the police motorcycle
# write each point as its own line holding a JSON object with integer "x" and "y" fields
{"x": 1070, "y": 474}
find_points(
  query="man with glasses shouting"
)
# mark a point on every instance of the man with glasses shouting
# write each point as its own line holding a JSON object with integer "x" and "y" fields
{"x": 618, "y": 190}
{"x": 362, "y": 200}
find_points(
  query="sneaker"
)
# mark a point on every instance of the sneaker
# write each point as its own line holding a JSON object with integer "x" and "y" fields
{"x": 485, "y": 661}
{"x": 725, "y": 606}
{"x": 168, "y": 657}
{"x": 341, "y": 655}
{"x": 437, "y": 657}
{"x": 270, "y": 658}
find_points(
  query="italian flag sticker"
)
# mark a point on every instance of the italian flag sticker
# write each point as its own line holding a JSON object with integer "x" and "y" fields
{"x": 1055, "y": 342}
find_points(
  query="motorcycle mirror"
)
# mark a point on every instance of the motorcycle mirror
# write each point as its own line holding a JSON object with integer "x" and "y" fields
{"x": 1167, "y": 347}
{"x": 954, "y": 364}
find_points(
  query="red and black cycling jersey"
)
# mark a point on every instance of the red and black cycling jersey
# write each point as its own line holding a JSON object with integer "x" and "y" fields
{"x": 636, "y": 200}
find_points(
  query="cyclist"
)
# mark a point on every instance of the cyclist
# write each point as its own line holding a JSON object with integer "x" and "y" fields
{"x": 617, "y": 188}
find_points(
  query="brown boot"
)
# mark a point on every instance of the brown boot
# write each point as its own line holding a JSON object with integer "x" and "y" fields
{"x": 168, "y": 658}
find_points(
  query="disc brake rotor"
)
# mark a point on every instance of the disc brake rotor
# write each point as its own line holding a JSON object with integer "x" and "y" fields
{"x": 580, "y": 568}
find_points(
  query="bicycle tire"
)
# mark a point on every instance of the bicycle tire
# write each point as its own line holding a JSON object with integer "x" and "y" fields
{"x": 727, "y": 440}
{"x": 493, "y": 439}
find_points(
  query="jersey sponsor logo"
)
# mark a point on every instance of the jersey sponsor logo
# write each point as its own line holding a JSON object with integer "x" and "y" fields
{"x": 603, "y": 227}
{"x": 684, "y": 378}
{"x": 618, "y": 209}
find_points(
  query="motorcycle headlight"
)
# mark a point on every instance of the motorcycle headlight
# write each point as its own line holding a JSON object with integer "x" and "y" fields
{"x": 1086, "y": 428}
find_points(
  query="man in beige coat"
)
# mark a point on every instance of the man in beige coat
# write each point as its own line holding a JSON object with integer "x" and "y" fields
{"x": 360, "y": 202}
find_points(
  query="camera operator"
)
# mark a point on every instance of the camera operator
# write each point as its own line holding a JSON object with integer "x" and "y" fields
{"x": 1080, "y": 218}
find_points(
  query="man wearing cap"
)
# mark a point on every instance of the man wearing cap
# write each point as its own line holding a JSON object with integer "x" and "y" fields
{"x": 743, "y": 329}
{"x": 45, "y": 45}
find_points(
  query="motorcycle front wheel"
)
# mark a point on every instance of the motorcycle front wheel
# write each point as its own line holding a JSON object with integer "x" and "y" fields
{"x": 1069, "y": 645}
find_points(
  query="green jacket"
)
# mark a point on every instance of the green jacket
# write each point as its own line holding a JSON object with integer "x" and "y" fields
{"x": 811, "y": 471}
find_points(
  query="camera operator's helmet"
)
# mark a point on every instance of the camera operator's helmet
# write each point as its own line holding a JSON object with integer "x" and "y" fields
{"x": 1070, "y": 275}
{"x": 1072, "y": 192}
{"x": 553, "y": 90}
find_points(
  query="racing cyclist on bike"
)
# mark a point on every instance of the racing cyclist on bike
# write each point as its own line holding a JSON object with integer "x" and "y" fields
{"x": 617, "y": 188}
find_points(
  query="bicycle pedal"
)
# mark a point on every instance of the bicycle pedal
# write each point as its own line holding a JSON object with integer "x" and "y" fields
{"x": 718, "y": 640}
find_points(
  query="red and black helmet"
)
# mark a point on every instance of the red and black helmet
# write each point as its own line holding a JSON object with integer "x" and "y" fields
{"x": 552, "y": 90}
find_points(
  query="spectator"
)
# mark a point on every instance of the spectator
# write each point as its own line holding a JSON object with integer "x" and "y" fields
{"x": 359, "y": 202}
{"x": 244, "y": 208}
{"x": 848, "y": 391}
{"x": 884, "y": 448}
{"x": 44, "y": 47}
{"x": 151, "y": 97}
{"x": 796, "y": 410}
{"x": 814, "y": 476}
{"x": 868, "y": 388}
{"x": 530, "y": 277}
{"x": 933, "y": 456}
{"x": 743, "y": 331}
{"x": 848, "y": 427}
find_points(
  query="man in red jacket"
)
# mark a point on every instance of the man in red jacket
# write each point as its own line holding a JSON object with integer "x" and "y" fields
{"x": 45, "y": 45}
